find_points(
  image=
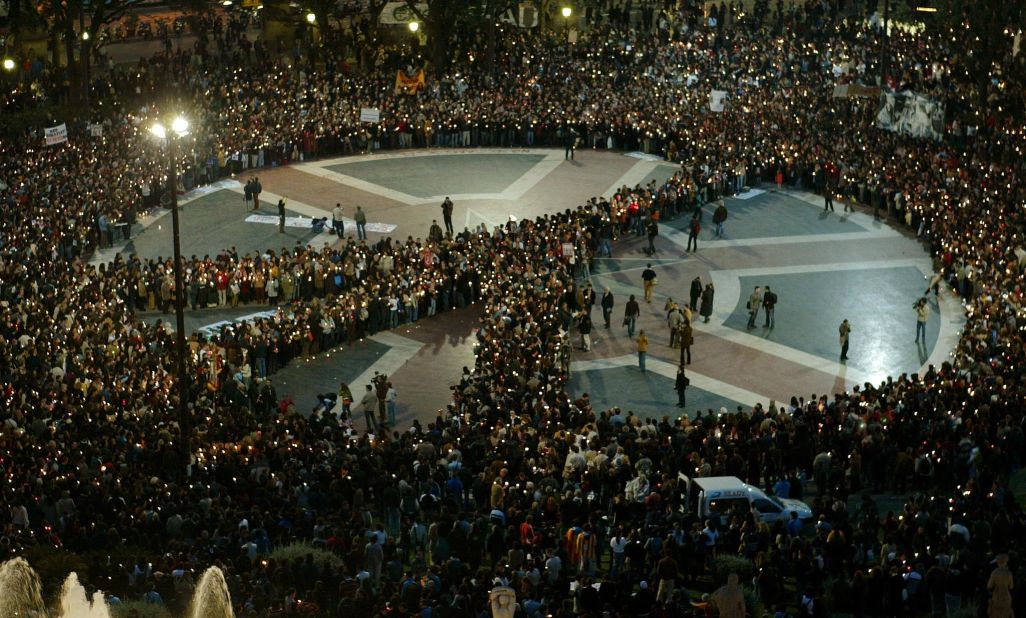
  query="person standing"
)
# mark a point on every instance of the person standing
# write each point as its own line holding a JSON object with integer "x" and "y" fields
{"x": 922, "y": 309}
{"x": 681, "y": 386}
{"x": 674, "y": 320}
{"x": 447, "y": 215}
{"x": 361, "y": 224}
{"x": 648, "y": 278}
{"x": 719, "y": 218}
{"x": 707, "y": 302}
{"x": 607, "y": 306}
{"x": 653, "y": 231}
{"x": 369, "y": 403}
{"x": 642, "y": 349}
{"x": 584, "y": 327}
{"x": 281, "y": 215}
{"x": 630, "y": 315}
{"x": 1000, "y": 587}
{"x": 391, "y": 401}
{"x": 381, "y": 394}
{"x": 693, "y": 229}
{"x": 687, "y": 339}
{"x": 257, "y": 188}
{"x": 696, "y": 292}
{"x": 828, "y": 198}
{"x": 570, "y": 142}
{"x": 769, "y": 304}
{"x": 247, "y": 192}
{"x": 754, "y": 301}
{"x": 845, "y": 332}
{"x": 338, "y": 222}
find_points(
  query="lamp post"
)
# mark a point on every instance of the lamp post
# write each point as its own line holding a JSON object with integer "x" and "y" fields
{"x": 567, "y": 12}
{"x": 179, "y": 128}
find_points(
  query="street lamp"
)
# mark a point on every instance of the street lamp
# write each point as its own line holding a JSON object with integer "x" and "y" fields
{"x": 179, "y": 128}
{"x": 9, "y": 64}
{"x": 414, "y": 26}
{"x": 311, "y": 18}
{"x": 567, "y": 12}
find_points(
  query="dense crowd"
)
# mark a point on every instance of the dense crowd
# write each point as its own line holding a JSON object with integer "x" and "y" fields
{"x": 517, "y": 482}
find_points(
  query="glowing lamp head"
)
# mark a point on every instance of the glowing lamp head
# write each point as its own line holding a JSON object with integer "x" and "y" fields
{"x": 567, "y": 11}
{"x": 414, "y": 26}
{"x": 310, "y": 17}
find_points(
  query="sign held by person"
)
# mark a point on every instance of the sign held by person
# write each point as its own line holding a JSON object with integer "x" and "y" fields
{"x": 370, "y": 114}
{"x": 56, "y": 135}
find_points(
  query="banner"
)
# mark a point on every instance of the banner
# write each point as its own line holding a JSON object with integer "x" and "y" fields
{"x": 400, "y": 12}
{"x": 855, "y": 90}
{"x": 370, "y": 114}
{"x": 96, "y": 130}
{"x": 56, "y": 135}
{"x": 716, "y": 100}
{"x": 911, "y": 114}
{"x": 407, "y": 84}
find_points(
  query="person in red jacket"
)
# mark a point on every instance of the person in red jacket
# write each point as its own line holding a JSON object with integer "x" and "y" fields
{"x": 221, "y": 280}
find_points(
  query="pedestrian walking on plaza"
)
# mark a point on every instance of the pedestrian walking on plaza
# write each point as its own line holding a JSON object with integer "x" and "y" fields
{"x": 648, "y": 278}
{"x": 607, "y": 306}
{"x": 281, "y": 215}
{"x": 369, "y": 403}
{"x": 361, "y": 224}
{"x": 693, "y": 229}
{"x": 828, "y": 198}
{"x": 922, "y": 309}
{"x": 257, "y": 188}
{"x": 674, "y": 320}
{"x": 338, "y": 222}
{"x": 381, "y": 395}
{"x": 754, "y": 301}
{"x": 845, "y": 332}
{"x": 447, "y": 215}
{"x": 934, "y": 284}
{"x": 584, "y": 327}
{"x": 653, "y": 231}
{"x": 707, "y": 302}
{"x": 696, "y": 292}
{"x": 681, "y": 386}
{"x": 630, "y": 315}
{"x": 769, "y": 304}
{"x": 719, "y": 218}
{"x": 642, "y": 348}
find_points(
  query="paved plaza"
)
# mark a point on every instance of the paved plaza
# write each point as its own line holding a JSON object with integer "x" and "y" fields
{"x": 824, "y": 267}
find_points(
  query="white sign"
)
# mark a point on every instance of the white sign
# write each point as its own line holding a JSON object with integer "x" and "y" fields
{"x": 716, "y": 99}
{"x": 56, "y": 135}
{"x": 96, "y": 130}
{"x": 370, "y": 114}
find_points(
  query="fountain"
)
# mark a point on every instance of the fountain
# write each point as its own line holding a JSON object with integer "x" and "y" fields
{"x": 21, "y": 596}
{"x": 211, "y": 599}
{"x": 20, "y": 591}
{"x": 75, "y": 603}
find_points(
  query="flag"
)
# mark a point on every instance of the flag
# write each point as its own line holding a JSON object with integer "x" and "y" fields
{"x": 407, "y": 84}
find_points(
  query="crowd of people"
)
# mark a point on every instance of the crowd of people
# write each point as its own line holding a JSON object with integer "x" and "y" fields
{"x": 518, "y": 482}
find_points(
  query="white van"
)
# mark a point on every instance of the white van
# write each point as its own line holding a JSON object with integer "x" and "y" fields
{"x": 720, "y": 495}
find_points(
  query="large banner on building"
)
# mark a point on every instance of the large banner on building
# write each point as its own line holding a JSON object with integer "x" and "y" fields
{"x": 911, "y": 114}
{"x": 401, "y": 13}
{"x": 409, "y": 84}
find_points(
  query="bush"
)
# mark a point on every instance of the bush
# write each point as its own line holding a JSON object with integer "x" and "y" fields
{"x": 300, "y": 550}
{"x": 53, "y": 566}
{"x": 725, "y": 564}
{"x": 141, "y": 609}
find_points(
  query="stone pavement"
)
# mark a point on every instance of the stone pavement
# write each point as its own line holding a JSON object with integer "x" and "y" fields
{"x": 824, "y": 267}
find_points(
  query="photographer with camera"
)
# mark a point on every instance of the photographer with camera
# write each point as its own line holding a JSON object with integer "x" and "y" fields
{"x": 922, "y": 310}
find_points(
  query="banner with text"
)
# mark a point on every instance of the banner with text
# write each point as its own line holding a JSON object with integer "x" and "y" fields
{"x": 370, "y": 114}
{"x": 409, "y": 84}
{"x": 56, "y": 135}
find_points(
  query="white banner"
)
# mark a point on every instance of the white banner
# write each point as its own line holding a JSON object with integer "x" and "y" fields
{"x": 911, "y": 114}
{"x": 370, "y": 114}
{"x": 307, "y": 222}
{"x": 716, "y": 100}
{"x": 56, "y": 135}
{"x": 400, "y": 13}
{"x": 96, "y": 130}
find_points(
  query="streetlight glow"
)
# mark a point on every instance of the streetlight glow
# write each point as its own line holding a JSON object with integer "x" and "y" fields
{"x": 567, "y": 11}
{"x": 158, "y": 130}
{"x": 310, "y": 17}
{"x": 180, "y": 126}
{"x": 8, "y": 64}
{"x": 414, "y": 26}
{"x": 85, "y": 35}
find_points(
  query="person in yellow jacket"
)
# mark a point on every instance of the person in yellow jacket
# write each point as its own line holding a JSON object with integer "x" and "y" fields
{"x": 586, "y": 542}
{"x": 642, "y": 348}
